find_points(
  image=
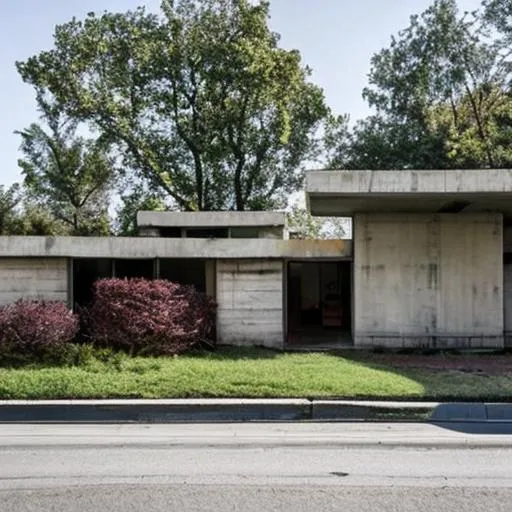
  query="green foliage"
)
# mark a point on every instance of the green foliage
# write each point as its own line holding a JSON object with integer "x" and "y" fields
{"x": 498, "y": 15}
{"x": 440, "y": 96}
{"x": 67, "y": 175}
{"x": 9, "y": 199}
{"x": 136, "y": 200}
{"x": 303, "y": 225}
{"x": 200, "y": 101}
{"x": 250, "y": 372}
{"x": 35, "y": 220}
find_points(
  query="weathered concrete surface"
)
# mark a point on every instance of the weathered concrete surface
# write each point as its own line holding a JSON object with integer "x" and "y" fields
{"x": 152, "y": 411}
{"x": 349, "y": 192}
{"x": 242, "y": 409}
{"x": 507, "y": 301}
{"x": 350, "y": 410}
{"x": 33, "y": 278}
{"x": 138, "y": 247}
{"x": 210, "y": 219}
{"x": 428, "y": 280}
{"x": 250, "y": 302}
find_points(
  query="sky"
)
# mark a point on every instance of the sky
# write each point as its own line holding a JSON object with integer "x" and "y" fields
{"x": 336, "y": 38}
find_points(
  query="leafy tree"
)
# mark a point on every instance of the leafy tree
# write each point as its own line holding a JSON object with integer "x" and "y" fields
{"x": 35, "y": 220}
{"x": 67, "y": 175}
{"x": 304, "y": 226}
{"x": 9, "y": 200}
{"x": 134, "y": 201}
{"x": 200, "y": 101}
{"x": 440, "y": 98}
{"x": 498, "y": 14}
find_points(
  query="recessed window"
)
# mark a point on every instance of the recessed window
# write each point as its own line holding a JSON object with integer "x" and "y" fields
{"x": 244, "y": 232}
{"x": 207, "y": 233}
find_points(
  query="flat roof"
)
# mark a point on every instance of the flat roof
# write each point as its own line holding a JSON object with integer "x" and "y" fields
{"x": 338, "y": 193}
{"x": 210, "y": 219}
{"x": 156, "y": 247}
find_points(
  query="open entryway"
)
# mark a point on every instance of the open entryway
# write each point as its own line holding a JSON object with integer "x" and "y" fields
{"x": 319, "y": 303}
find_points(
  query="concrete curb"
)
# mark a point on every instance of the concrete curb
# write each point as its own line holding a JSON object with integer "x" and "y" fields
{"x": 239, "y": 410}
{"x": 472, "y": 412}
{"x": 209, "y": 410}
{"x": 154, "y": 411}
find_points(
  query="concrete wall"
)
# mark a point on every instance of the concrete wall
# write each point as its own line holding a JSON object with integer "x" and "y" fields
{"x": 210, "y": 219}
{"x": 507, "y": 299}
{"x": 154, "y": 247}
{"x": 250, "y": 302}
{"x": 33, "y": 278}
{"x": 428, "y": 280}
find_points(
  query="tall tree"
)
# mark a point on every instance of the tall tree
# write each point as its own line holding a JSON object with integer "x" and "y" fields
{"x": 67, "y": 175}
{"x": 200, "y": 100}
{"x": 440, "y": 98}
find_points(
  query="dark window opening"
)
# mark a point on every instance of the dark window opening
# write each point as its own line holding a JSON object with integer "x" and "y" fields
{"x": 207, "y": 233}
{"x": 245, "y": 232}
{"x": 170, "y": 232}
{"x": 184, "y": 271}
{"x": 134, "y": 268}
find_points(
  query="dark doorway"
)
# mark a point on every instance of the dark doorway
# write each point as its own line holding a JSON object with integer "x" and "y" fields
{"x": 184, "y": 271}
{"x": 319, "y": 302}
{"x": 85, "y": 272}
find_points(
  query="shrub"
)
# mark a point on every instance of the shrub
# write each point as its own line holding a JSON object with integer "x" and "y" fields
{"x": 155, "y": 317}
{"x": 36, "y": 331}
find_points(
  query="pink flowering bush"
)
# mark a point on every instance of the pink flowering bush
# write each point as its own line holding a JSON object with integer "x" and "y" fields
{"x": 155, "y": 317}
{"x": 36, "y": 331}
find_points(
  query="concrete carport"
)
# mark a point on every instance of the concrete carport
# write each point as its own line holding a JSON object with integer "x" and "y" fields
{"x": 431, "y": 265}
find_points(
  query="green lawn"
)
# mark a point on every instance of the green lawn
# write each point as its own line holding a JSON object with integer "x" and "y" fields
{"x": 248, "y": 373}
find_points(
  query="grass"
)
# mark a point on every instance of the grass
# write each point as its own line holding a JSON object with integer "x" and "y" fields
{"x": 246, "y": 373}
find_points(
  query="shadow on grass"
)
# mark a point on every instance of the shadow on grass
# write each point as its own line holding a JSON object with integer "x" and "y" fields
{"x": 454, "y": 381}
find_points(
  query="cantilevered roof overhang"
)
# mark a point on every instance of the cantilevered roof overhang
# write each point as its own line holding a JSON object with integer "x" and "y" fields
{"x": 343, "y": 193}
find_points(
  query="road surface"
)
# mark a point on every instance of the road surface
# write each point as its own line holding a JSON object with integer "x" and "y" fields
{"x": 254, "y": 467}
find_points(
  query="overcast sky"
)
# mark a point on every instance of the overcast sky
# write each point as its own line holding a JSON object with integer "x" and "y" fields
{"x": 335, "y": 37}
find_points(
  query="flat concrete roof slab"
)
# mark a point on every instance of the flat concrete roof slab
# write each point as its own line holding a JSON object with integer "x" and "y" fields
{"x": 331, "y": 193}
{"x": 210, "y": 219}
{"x": 154, "y": 247}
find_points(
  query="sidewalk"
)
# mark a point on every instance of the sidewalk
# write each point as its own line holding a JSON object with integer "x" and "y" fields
{"x": 238, "y": 410}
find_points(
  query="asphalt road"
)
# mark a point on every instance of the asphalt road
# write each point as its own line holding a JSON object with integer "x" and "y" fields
{"x": 253, "y": 467}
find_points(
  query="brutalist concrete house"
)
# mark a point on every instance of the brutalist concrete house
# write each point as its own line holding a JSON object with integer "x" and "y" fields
{"x": 429, "y": 265}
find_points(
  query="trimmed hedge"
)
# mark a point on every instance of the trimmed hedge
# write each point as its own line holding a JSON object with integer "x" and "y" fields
{"x": 154, "y": 317}
{"x": 36, "y": 331}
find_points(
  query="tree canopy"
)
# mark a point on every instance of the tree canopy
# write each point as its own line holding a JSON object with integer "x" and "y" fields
{"x": 68, "y": 175}
{"x": 200, "y": 101}
{"x": 440, "y": 97}
{"x": 199, "y": 107}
